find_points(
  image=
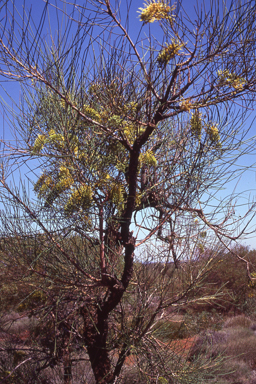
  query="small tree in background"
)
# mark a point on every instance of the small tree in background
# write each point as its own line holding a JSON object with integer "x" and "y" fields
{"x": 132, "y": 137}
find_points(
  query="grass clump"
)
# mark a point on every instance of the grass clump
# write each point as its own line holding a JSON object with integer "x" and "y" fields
{"x": 170, "y": 330}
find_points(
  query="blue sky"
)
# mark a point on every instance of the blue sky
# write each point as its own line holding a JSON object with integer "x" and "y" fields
{"x": 244, "y": 187}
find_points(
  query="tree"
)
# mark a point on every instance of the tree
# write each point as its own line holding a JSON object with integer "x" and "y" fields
{"x": 130, "y": 134}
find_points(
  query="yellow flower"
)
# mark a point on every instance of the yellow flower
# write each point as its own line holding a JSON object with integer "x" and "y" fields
{"x": 162, "y": 380}
{"x": 130, "y": 131}
{"x": 94, "y": 88}
{"x": 81, "y": 197}
{"x": 65, "y": 179}
{"x": 148, "y": 158}
{"x": 239, "y": 83}
{"x": 43, "y": 185}
{"x": 64, "y": 171}
{"x": 55, "y": 138}
{"x": 92, "y": 113}
{"x": 138, "y": 199}
{"x": 117, "y": 193}
{"x": 186, "y": 105}
{"x": 169, "y": 52}
{"x": 63, "y": 103}
{"x": 155, "y": 10}
{"x": 213, "y": 133}
{"x": 196, "y": 124}
{"x": 115, "y": 121}
{"x": 64, "y": 184}
{"x": 39, "y": 144}
{"x": 231, "y": 79}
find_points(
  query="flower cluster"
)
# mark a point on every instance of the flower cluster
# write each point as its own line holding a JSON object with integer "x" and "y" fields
{"x": 65, "y": 179}
{"x": 231, "y": 79}
{"x": 196, "y": 123}
{"x": 186, "y": 105}
{"x": 91, "y": 112}
{"x": 55, "y": 138}
{"x": 39, "y": 144}
{"x": 117, "y": 193}
{"x": 81, "y": 197}
{"x": 148, "y": 158}
{"x": 211, "y": 129}
{"x": 155, "y": 10}
{"x": 213, "y": 133}
{"x": 43, "y": 185}
{"x": 169, "y": 52}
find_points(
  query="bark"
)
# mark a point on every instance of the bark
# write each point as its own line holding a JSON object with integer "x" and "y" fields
{"x": 113, "y": 247}
{"x": 65, "y": 351}
{"x": 95, "y": 337}
{"x": 67, "y": 367}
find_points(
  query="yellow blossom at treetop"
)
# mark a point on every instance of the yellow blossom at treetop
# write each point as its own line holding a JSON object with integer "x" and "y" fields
{"x": 155, "y": 10}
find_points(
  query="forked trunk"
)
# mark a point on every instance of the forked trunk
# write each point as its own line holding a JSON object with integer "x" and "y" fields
{"x": 96, "y": 316}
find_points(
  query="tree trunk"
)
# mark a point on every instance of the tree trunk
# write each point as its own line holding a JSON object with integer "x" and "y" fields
{"x": 67, "y": 367}
{"x": 101, "y": 364}
{"x": 95, "y": 316}
{"x": 95, "y": 337}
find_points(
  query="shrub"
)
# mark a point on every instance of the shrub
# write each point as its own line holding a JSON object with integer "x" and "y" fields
{"x": 238, "y": 321}
{"x": 236, "y": 342}
{"x": 242, "y": 343}
{"x": 170, "y": 330}
{"x": 196, "y": 322}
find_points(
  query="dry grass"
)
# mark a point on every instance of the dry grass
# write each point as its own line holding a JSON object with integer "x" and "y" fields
{"x": 237, "y": 342}
{"x": 238, "y": 321}
{"x": 234, "y": 345}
